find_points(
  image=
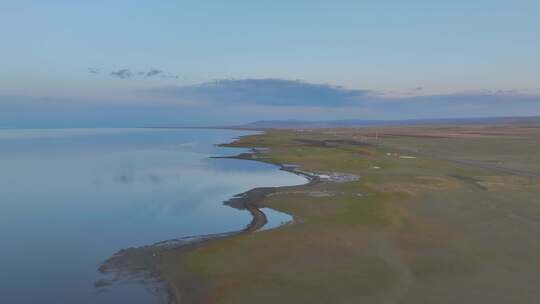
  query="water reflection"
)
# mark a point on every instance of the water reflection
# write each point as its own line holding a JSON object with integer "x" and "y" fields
{"x": 71, "y": 198}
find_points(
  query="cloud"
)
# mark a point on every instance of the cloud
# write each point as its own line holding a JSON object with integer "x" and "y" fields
{"x": 94, "y": 70}
{"x": 170, "y": 76}
{"x": 239, "y": 101}
{"x": 122, "y": 74}
{"x": 152, "y": 73}
{"x": 295, "y": 94}
{"x": 474, "y": 98}
{"x": 138, "y": 74}
{"x": 274, "y": 92}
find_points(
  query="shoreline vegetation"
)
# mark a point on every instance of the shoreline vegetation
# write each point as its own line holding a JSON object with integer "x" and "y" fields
{"x": 244, "y": 201}
{"x": 415, "y": 215}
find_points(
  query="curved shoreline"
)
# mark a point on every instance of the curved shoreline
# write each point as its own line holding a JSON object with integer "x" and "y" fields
{"x": 133, "y": 262}
{"x": 248, "y": 200}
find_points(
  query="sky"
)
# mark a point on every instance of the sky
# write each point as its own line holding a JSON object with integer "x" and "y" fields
{"x": 150, "y": 63}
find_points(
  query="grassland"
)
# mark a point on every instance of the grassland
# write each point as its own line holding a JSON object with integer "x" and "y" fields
{"x": 455, "y": 221}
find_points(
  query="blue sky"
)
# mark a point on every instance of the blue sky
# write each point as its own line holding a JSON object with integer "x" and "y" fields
{"x": 205, "y": 62}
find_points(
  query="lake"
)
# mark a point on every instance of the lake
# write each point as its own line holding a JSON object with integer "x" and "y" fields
{"x": 71, "y": 198}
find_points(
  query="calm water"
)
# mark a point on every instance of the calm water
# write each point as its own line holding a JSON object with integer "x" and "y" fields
{"x": 71, "y": 198}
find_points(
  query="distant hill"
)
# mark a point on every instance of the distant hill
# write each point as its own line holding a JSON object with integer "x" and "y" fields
{"x": 301, "y": 124}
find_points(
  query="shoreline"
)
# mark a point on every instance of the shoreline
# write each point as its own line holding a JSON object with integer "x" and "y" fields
{"x": 248, "y": 200}
{"x": 377, "y": 228}
{"x": 127, "y": 262}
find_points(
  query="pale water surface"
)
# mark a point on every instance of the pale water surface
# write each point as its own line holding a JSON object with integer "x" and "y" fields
{"x": 70, "y": 198}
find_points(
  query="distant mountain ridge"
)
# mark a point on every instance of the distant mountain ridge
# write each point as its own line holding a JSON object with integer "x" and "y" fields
{"x": 351, "y": 123}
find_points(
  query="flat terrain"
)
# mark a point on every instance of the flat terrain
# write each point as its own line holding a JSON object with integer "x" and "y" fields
{"x": 439, "y": 215}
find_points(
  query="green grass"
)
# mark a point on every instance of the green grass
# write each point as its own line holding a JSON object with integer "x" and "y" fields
{"x": 396, "y": 235}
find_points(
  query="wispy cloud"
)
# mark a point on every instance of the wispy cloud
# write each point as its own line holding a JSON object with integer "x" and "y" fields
{"x": 153, "y": 73}
{"x": 122, "y": 74}
{"x": 140, "y": 74}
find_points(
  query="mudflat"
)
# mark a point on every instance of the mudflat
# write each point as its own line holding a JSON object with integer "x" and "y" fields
{"x": 438, "y": 214}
